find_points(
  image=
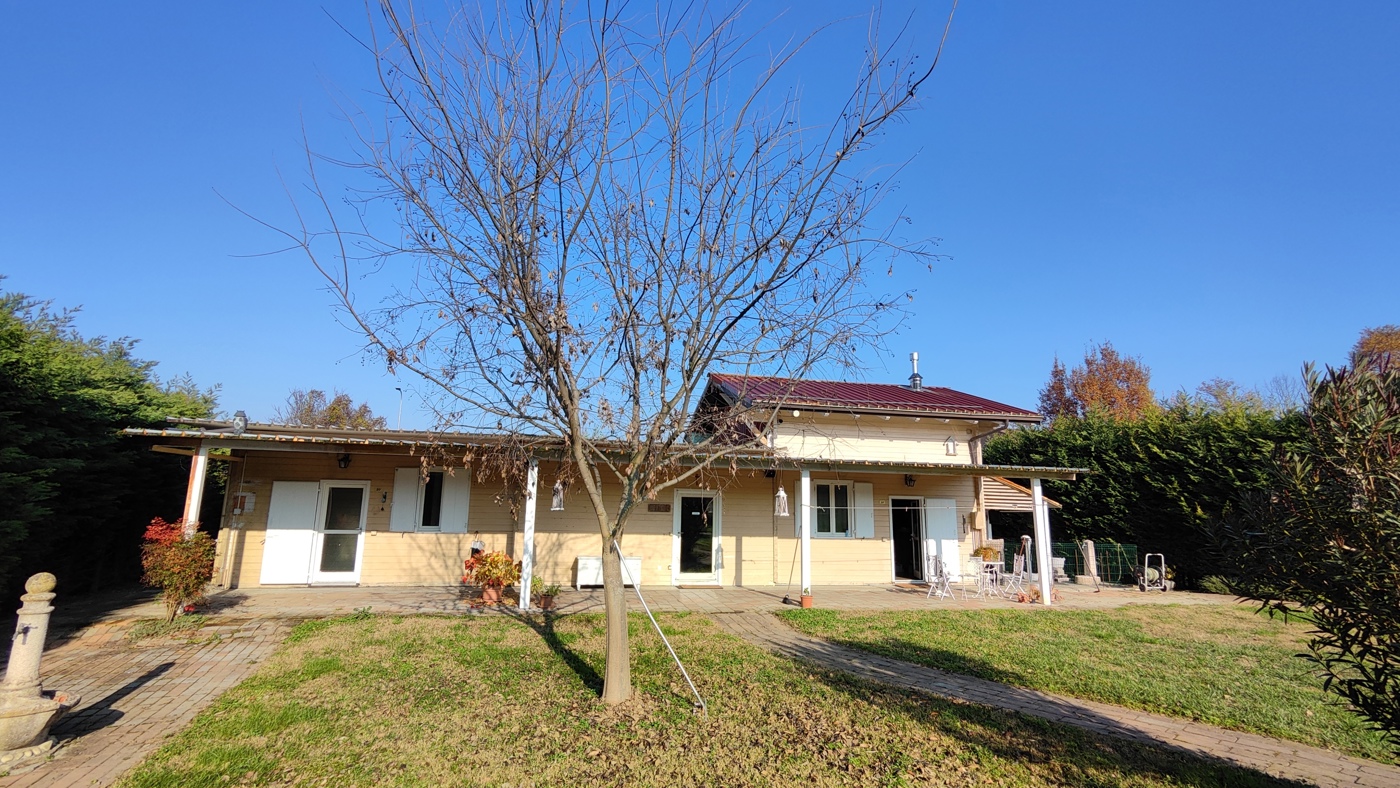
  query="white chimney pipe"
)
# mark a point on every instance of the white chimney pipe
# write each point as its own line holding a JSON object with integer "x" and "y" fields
{"x": 916, "y": 381}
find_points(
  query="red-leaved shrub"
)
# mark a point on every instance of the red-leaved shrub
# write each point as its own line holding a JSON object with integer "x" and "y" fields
{"x": 179, "y": 567}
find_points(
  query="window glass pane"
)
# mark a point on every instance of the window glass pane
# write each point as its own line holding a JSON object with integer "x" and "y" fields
{"x": 343, "y": 508}
{"x": 841, "y": 513}
{"x": 432, "y": 501}
{"x": 338, "y": 552}
{"x": 823, "y": 508}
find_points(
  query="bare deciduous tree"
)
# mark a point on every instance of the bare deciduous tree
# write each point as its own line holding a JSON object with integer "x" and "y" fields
{"x": 587, "y": 212}
{"x": 313, "y": 409}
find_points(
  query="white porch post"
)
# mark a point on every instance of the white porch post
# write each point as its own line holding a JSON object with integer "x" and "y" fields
{"x": 804, "y": 515}
{"x": 1042, "y": 541}
{"x": 194, "y": 494}
{"x": 527, "y": 557}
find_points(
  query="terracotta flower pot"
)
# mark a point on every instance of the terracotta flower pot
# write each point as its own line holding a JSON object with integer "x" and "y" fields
{"x": 491, "y": 595}
{"x": 806, "y": 601}
{"x": 546, "y": 602}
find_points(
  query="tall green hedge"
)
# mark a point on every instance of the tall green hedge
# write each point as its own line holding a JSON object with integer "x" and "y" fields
{"x": 1157, "y": 481}
{"x": 74, "y": 495}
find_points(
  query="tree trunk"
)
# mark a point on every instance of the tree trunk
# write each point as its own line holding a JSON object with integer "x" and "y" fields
{"x": 617, "y": 675}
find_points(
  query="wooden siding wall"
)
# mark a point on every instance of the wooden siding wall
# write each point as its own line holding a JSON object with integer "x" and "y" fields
{"x": 851, "y": 561}
{"x": 758, "y": 548}
{"x": 899, "y": 439}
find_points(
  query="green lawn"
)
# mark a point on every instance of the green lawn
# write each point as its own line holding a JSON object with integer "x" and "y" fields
{"x": 429, "y": 701}
{"x": 1225, "y": 665}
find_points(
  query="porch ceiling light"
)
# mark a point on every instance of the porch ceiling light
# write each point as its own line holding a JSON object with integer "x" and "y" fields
{"x": 780, "y": 503}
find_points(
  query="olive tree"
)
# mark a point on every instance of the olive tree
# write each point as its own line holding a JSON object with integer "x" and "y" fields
{"x": 567, "y": 214}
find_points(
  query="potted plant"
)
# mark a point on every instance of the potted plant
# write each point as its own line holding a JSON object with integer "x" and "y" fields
{"x": 806, "y": 598}
{"x": 492, "y": 571}
{"x": 986, "y": 552}
{"x": 547, "y": 596}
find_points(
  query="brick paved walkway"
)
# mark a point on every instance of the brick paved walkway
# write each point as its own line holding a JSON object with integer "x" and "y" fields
{"x": 135, "y": 695}
{"x": 1275, "y": 757}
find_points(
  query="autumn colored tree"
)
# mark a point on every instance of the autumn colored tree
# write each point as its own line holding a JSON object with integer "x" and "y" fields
{"x": 1055, "y": 400}
{"x": 1376, "y": 347}
{"x": 312, "y": 409}
{"x": 1113, "y": 384}
{"x": 1107, "y": 382}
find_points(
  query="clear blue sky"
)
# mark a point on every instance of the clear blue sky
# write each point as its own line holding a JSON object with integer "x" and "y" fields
{"x": 1212, "y": 186}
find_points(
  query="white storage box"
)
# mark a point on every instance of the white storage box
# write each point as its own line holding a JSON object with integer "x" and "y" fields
{"x": 590, "y": 570}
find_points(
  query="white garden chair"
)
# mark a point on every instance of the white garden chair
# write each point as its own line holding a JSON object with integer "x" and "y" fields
{"x": 937, "y": 579}
{"x": 1016, "y": 581}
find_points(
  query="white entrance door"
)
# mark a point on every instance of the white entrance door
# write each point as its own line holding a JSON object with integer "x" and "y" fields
{"x": 291, "y": 531}
{"x": 340, "y": 521}
{"x": 696, "y": 555}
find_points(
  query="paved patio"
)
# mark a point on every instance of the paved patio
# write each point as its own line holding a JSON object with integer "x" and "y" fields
{"x": 137, "y": 694}
{"x": 301, "y": 603}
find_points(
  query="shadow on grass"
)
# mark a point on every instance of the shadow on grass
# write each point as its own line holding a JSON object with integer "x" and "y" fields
{"x": 543, "y": 625}
{"x": 101, "y": 714}
{"x": 1012, "y": 722}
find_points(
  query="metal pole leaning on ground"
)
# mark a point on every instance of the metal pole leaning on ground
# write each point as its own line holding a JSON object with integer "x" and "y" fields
{"x": 636, "y": 586}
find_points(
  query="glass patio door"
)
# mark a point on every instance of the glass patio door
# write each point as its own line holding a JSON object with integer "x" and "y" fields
{"x": 696, "y": 539}
{"x": 340, "y": 524}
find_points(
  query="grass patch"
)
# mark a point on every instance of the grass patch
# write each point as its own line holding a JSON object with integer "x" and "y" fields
{"x": 1223, "y": 665}
{"x": 148, "y": 628}
{"x": 427, "y": 701}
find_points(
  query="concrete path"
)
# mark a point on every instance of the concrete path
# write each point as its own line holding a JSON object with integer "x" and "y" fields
{"x": 1275, "y": 757}
{"x": 136, "y": 694}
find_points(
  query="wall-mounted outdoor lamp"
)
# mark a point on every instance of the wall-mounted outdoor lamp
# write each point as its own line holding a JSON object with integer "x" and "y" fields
{"x": 951, "y": 445}
{"x": 908, "y": 480}
{"x": 343, "y": 460}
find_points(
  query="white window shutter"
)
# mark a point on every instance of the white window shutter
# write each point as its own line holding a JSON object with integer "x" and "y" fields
{"x": 941, "y": 533}
{"x": 408, "y": 488}
{"x": 865, "y": 509}
{"x": 456, "y": 497}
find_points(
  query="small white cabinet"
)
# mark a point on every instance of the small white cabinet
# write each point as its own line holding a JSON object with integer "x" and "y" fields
{"x": 590, "y": 570}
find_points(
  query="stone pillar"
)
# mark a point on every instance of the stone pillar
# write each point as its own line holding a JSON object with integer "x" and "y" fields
{"x": 26, "y": 710}
{"x": 22, "y": 676}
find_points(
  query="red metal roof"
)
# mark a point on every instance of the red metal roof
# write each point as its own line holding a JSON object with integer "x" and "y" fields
{"x": 841, "y": 395}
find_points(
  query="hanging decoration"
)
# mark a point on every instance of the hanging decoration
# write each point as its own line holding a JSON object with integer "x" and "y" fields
{"x": 557, "y": 501}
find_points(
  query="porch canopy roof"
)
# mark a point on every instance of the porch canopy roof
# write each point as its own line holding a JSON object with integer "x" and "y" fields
{"x": 213, "y": 433}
